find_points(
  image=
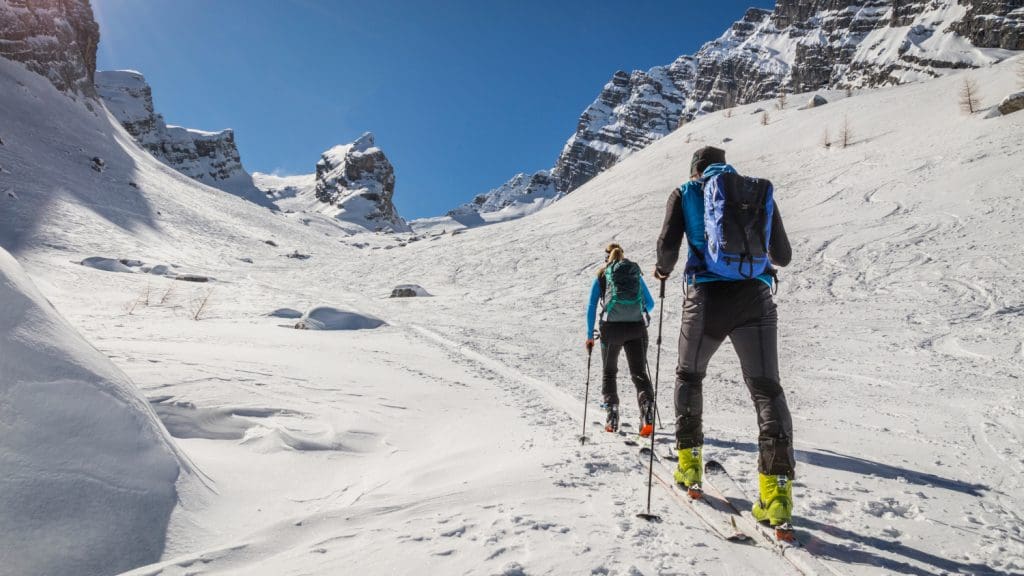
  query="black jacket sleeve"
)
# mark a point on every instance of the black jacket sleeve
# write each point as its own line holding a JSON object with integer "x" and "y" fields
{"x": 672, "y": 231}
{"x": 779, "y": 251}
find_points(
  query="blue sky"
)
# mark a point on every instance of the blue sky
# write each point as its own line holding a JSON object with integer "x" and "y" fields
{"x": 461, "y": 95}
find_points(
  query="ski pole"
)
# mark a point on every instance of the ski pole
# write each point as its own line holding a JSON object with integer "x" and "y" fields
{"x": 657, "y": 367}
{"x": 586, "y": 397}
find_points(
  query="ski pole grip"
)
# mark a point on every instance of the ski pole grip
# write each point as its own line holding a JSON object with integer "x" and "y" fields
{"x": 662, "y": 295}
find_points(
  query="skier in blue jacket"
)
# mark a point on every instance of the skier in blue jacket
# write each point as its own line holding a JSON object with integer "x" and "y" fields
{"x": 627, "y": 303}
{"x": 743, "y": 310}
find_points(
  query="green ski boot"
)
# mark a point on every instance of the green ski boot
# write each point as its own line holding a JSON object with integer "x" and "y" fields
{"x": 688, "y": 472}
{"x": 775, "y": 506}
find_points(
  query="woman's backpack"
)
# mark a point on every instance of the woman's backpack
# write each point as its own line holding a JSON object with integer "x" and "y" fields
{"x": 624, "y": 299}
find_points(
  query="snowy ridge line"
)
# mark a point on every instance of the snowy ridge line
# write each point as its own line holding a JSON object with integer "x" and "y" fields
{"x": 798, "y": 555}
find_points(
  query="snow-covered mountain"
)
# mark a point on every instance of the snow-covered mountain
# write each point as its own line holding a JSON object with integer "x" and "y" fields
{"x": 209, "y": 157}
{"x": 374, "y": 451}
{"x": 353, "y": 183}
{"x": 800, "y": 46}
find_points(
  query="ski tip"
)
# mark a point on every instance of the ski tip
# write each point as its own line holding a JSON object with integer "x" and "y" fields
{"x": 713, "y": 466}
{"x": 649, "y": 517}
{"x": 739, "y": 537}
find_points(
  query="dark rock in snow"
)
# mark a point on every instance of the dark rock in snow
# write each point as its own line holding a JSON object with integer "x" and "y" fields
{"x": 814, "y": 102}
{"x": 409, "y": 291}
{"x": 1012, "y": 103}
{"x": 192, "y": 278}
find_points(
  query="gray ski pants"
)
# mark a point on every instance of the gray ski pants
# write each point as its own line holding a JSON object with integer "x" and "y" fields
{"x": 745, "y": 312}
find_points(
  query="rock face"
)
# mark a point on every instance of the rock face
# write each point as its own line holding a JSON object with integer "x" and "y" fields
{"x": 209, "y": 157}
{"x": 800, "y": 46}
{"x": 54, "y": 38}
{"x": 523, "y": 194}
{"x": 357, "y": 182}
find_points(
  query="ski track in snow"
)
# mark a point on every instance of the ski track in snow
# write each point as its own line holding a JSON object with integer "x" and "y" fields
{"x": 445, "y": 442}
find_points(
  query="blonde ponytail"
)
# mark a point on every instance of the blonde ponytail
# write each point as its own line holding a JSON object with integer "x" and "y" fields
{"x": 614, "y": 254}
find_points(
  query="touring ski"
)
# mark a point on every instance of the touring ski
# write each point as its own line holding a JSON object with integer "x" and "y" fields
{"x": 718, "y": 481}
{"x": 717, "y": 516}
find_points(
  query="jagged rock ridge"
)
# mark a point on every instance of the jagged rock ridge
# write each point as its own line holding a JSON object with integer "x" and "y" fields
{"x": 800, "y": 46}
{"x": 353, "y": 183}
{"x": 209, "y": 157}
{"x": 358, "y": 180}
{"x": 54, "y": 38}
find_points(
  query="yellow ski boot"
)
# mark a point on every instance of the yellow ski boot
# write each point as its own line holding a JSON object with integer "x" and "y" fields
{"x": 689, "y": 472}
{"x": 775, "y": 506}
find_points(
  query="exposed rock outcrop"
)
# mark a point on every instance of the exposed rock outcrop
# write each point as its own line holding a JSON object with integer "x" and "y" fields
{"x": 54, "y": 38}
{"x": 358, "y": 182}
{"x": 209, "y": 157}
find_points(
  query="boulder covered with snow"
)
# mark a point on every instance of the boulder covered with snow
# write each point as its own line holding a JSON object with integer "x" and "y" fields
{"x": 815, "y": 101}
{"x": 328, "y": 318}
{"x": 1012, "y": 103}
{"x": 409, "y": 291}
{"x": 54, "y": 39}
{"x": 285, "y": 313}
{"x": 357, "y": 182}
{"x": 89, "y": 472}
{"x": 209, "y": 157}
{"x": 105, "y": 264}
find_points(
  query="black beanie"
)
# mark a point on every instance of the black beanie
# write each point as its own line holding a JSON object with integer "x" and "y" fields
{"x": 705, "y": 157}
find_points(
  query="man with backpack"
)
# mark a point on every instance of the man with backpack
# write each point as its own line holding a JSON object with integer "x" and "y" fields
{"x": 735, "y": 235}
{"x": 627, "y": 302}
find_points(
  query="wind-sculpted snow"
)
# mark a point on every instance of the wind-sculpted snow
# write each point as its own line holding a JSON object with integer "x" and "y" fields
{"x": 89, "y": 473}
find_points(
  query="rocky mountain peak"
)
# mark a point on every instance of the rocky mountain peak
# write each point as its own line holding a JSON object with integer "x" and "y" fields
{"x": 358, "y": 181}
{"x": 800, "y": 46}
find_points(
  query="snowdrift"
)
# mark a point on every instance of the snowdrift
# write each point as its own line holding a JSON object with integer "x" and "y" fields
{"x": 327, "y": 318}
{"x": 88, "y": 481}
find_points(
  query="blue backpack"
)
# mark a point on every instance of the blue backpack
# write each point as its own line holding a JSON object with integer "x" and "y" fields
{"x": 738, "y": 225}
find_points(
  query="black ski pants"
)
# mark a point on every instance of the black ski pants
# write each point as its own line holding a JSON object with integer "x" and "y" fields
{"x": 745, "y": 312}
{"x": 631, "y": 337}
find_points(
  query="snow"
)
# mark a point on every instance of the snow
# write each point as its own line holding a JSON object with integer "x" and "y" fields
{"x": 89, "y": 472}
{"x": 445, "y": 441}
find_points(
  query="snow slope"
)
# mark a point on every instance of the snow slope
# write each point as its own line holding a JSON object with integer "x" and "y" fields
{"x": 444, "y": 441}
{"x": 89, "y": 472}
